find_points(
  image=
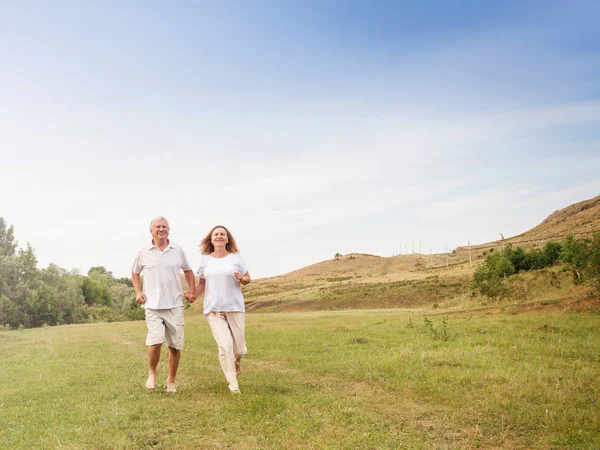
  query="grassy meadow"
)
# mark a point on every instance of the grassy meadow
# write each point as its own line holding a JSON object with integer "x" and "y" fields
{"x": 371, "y": 379}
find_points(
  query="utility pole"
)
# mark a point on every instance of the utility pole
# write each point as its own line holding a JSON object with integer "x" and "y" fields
{"x": 501, "y": 242}
{"x": 420, "y": 252}
{"x": 469, "y": 245}
{"x": 406, "y": 249}
{"x": 412, "y": 247}
{"x": 446, "y": 255}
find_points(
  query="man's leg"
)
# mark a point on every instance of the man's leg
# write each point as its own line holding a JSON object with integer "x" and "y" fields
{"x": 154, "y": 341}
{"x": 174, "y": 357}
{"x": 220, "y": 330}
{"x": 153, "y": 358}
{"x": 174, "y": 330}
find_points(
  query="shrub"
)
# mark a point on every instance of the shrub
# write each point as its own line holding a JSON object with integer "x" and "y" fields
{"x": 574, "y": 254}
{"x": 489, "y": 277}
{"x": 594, "y": 261}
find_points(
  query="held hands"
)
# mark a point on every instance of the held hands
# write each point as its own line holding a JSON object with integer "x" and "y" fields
{"x": 140, "y": 298}
{"x": 190, "y": 296}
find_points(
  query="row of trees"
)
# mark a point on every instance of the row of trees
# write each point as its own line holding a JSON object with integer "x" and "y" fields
{"x": 580, "y": 256}
{"x": 32, "y": 297}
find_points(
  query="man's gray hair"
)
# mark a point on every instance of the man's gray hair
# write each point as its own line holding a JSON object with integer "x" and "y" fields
{"x": 157, "y": 218}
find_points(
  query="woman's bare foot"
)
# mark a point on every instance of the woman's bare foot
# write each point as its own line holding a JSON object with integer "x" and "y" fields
{"x": 238, "y": 367}
{"x": 171, "y": 387}
{"x": 151, "y": 382}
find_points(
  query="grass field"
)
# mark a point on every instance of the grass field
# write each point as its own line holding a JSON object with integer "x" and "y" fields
{"x": 344, "y": 379}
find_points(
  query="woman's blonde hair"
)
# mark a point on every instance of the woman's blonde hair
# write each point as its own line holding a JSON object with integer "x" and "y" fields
{"x": 207, "y": 247}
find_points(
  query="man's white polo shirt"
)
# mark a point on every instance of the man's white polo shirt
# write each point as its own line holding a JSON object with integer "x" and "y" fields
{"x": 162, "y": 272}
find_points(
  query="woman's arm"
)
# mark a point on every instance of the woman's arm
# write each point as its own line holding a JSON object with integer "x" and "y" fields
{"x": 200, "y": 286}
{"x": 243, "y": 279}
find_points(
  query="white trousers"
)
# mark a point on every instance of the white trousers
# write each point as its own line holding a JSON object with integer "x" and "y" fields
{"x": 228, "y": 330}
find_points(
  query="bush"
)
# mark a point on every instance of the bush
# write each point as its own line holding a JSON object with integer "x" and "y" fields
{"x": 551, "y": 252}
{"x": 574, "y": 254}
{"x": 594, "y": 261}
{"x": 489, "y": 277}
{"x": 516, "y": 256}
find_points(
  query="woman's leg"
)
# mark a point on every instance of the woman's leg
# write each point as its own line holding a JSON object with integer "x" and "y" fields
{"x": 220, "y": 330}
{"x": 237, "y": 321}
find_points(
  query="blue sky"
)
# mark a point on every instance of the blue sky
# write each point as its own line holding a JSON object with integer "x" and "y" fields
{"x": 308, "y": 128}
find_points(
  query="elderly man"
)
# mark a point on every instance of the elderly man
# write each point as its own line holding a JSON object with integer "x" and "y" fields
{"x": 162, "y": 297}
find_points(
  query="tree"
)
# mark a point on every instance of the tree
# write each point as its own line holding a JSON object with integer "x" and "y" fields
{"x": 100, "y": 270}
{"x": 95, "y": 291}
{"x": 68, "y": 288}
{"x": 8, "y": 245}
{"x": 10, "y": 313}
{"x": 42, "y": 306}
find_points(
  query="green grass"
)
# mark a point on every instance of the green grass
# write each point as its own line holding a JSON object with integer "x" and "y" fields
{"x": 343, "y": 379}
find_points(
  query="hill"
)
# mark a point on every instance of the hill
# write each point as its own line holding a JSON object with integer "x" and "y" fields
{"x": 362, "y": 281}
{"x": 582, "y": 219}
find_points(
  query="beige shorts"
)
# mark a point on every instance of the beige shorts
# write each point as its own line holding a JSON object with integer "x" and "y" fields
{"x": 165, "y": 325}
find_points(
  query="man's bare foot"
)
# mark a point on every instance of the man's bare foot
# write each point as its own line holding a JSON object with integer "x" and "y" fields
{"x": 238, "y": 367}
{"x": 171, "y": 387}
{"x": 151, "y": 382}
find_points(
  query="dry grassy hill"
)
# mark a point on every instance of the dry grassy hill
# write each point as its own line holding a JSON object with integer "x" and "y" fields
{"x": 412, "y": 281}
{"x": 582, "y": 219}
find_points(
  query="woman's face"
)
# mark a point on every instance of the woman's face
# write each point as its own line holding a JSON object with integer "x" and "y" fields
{"x": 219, "y": 237}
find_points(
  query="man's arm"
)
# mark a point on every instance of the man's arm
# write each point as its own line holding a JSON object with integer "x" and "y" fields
{"x": 136, "y": 280}
{"x": 190, "y": 295}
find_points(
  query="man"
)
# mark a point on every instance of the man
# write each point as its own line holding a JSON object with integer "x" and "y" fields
{"x": 162, "y": 297}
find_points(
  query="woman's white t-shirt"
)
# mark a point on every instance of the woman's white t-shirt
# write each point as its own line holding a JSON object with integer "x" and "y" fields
{"x": 222, "y": 291}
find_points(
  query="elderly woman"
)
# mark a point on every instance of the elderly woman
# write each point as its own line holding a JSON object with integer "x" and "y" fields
{"x": 221, "y": 274}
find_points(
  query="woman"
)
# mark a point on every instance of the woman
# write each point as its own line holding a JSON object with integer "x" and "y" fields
{"x": 221, "y": 274}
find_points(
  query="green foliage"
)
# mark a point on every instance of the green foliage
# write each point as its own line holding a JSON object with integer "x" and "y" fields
{"x": 594, "y": 261}
{"x": 126, "y": 281}
{"x": 552, "y": 252}
{"x": 535, "y": 259}
{"x": 489, "y": 277}
{"x": 42, "y": 306}
{"x": 137, "y": 313}
{"x": 95, "y": 292}
{"x": 338, "y": 255}
{"x": 441, "y": 332}
{"x": 32, "y": 297}
{"x": 10, "y": 313}
{"x": 8, "y": 245}
{"x": 574, "y": 255}
{"x": 516, "y": 256}
{"x": 100, "y": 270}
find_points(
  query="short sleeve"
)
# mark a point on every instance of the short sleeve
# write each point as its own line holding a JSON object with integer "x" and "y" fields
{"x": 137, "y": 264}
{"x": 185, "y": 265}
{"x": 243, "y": 266}
{"x": 200, "y": 271}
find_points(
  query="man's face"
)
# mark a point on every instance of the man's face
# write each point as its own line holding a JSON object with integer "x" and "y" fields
{"x": 159, "y": 230}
